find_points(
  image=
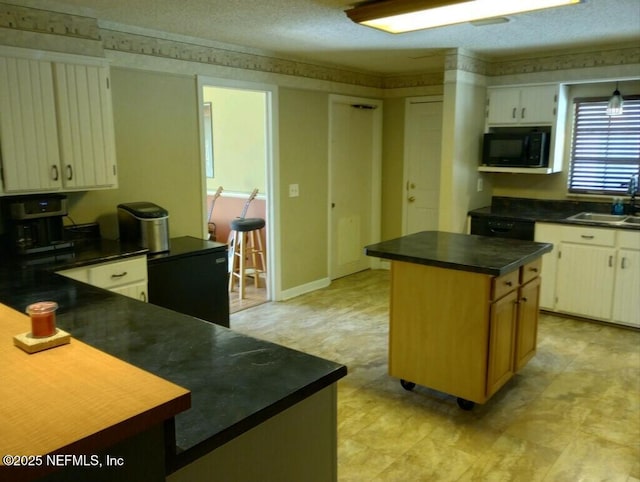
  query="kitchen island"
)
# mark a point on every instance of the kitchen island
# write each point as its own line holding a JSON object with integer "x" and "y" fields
{"x": 463, "y": 311}
{"x": 258, "y": 411}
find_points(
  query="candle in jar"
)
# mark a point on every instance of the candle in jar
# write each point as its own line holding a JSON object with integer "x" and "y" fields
{"x": 43, "y": 318}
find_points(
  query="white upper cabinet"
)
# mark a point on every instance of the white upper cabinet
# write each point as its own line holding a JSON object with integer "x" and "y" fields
{"x": 524, "y": 107}
{"x": 530, "y": 105}
{"x": 85, "y": 126}
{"x": 28, "y": 133}
{"x": 56, "y": 124}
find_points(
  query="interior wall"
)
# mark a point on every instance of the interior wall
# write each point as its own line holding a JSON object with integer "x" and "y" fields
{"x": 157, "y": 148}
{"x": 392, "y": 167}
{"x": 554, "y": 186}
{"x": 304, "y": 153}
{"x": 239, "y": 139}
{"x": 462, "y": 128}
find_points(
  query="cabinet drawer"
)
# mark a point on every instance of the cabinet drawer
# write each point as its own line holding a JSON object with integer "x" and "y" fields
{"x": 108, "y": 275}
{"x": 629, "y": 239}
{"x": 502, "y": 285}
{"x": 530, "y": 270}
{"x": 589, "y": 235}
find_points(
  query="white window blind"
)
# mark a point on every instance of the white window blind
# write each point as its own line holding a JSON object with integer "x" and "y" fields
{"x": 606, "y": 150}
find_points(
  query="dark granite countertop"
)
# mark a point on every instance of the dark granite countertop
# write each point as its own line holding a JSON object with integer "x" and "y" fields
{"x": 84, "y": 253}
{"x": 185, "y": 246}
{"x": 479, "y": 254}
{"x": 236, "y": 381}
{"x": 547, "y": 211}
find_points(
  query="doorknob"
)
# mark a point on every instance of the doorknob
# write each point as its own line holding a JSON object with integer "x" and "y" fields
{"x": 411, "y": 199}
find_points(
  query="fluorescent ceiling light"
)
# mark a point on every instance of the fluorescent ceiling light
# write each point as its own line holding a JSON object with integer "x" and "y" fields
{"x": 397, "y": 16}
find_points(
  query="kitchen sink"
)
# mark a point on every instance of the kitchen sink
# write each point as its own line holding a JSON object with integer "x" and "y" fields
{"x": 632, "y": 220}
{"x": 599, "y": 218}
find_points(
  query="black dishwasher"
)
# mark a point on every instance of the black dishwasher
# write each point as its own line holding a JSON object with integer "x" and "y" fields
{"x": 191, "y": 278}
{"x": 503, "y": 227}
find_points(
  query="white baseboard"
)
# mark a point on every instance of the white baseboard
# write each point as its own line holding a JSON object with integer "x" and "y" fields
{"x": 305, "y": 288}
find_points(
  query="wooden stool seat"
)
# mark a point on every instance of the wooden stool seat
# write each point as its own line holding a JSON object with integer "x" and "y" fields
{"x": 247, "y": 248}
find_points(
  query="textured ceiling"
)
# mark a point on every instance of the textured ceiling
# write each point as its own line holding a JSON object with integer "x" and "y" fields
{"x": 319, "y": 31}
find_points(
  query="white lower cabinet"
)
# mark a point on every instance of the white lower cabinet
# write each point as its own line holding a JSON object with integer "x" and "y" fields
{"x": 592, "y": 272}
{"x": 585, "y": 280}
{"x": 626, "y": 299}
{"x": 127, "y": 277}
{"x": 549, "y": 233}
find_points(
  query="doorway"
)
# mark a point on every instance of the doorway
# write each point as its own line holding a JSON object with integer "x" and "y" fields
{"x": 423, "y": 138}
{"x": 355, "y": 138}
{"x": 237, "y": 138}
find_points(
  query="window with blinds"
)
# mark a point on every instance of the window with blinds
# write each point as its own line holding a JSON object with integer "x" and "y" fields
{"x": 605, "y": 150}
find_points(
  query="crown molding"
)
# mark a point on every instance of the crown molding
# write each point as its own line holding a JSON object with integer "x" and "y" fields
{"x": 45, "y": 30}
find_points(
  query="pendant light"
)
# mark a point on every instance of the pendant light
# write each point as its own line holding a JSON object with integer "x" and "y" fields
{"x": 614, "y": 107}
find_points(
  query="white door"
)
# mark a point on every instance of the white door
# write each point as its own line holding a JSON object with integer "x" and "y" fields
{"x": 354, "y": 152}
{"x": 423, "y": 133}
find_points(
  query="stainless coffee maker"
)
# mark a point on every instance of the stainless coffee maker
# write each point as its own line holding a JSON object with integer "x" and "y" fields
{"x": 35, "y": 223}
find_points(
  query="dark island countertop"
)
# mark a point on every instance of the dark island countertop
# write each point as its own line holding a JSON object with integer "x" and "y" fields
{"x": 479, "y": 254}
{"x": 236, "y": 381}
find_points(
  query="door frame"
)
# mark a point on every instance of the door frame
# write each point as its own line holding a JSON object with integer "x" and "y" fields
{"x": 376, "y": 174}
{"x": 405, "y": 161}
{"x": 274, "y": 284}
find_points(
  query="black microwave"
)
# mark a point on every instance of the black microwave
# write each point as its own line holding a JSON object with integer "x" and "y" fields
{"x": 527, "y": 149}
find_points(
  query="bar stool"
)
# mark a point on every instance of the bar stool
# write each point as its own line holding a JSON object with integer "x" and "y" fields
{"x": 246, "y": 247}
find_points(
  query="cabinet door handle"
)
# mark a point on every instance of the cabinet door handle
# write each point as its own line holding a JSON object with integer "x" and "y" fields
{"x": 623, "y": 263}
{"x": 610, "y": 261}
{"x": 513, "y": 114}
{"x": 535, "y": 270}
{"x": 143, "y": 296}
{"x": 523, "y": 110}
{"x": 119, "y": 275}
{"x": 54, "y": 172}
{"x": 524, "y": 299}
{"x": 587, "y": 236}
{"x": 69, "y": 172}
{"x": 509, "y": 283}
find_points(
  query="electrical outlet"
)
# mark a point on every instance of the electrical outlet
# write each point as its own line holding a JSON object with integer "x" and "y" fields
{"x": 480, "y": 184}
{"x": 294, "y": 190}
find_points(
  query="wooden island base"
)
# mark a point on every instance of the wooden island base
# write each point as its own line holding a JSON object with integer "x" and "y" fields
{"x": 461, "y": 332}
{"x": 463, "y": 311}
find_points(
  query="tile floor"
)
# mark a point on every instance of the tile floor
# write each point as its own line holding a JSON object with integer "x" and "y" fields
{"x": 572, "y": 414}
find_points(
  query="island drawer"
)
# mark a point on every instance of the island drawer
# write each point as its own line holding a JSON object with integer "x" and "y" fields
{"x": 502, "y": 285}
{"x": 530, "y": 270}
{"x": 117, "y": 273}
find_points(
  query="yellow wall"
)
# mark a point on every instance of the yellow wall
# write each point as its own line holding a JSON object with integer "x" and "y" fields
{"x": 239, "y": 139}
{"x": 392, "y": 167}
{"x": 157, "y": 147}
{"x": 462, "y": 127}
{"x": 304, "y": 154}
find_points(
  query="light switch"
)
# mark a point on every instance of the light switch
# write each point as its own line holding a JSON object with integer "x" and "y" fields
{"x": 294, "y": 190}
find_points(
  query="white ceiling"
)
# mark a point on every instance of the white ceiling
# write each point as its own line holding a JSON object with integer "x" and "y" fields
{"x": 319, "y": 31}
